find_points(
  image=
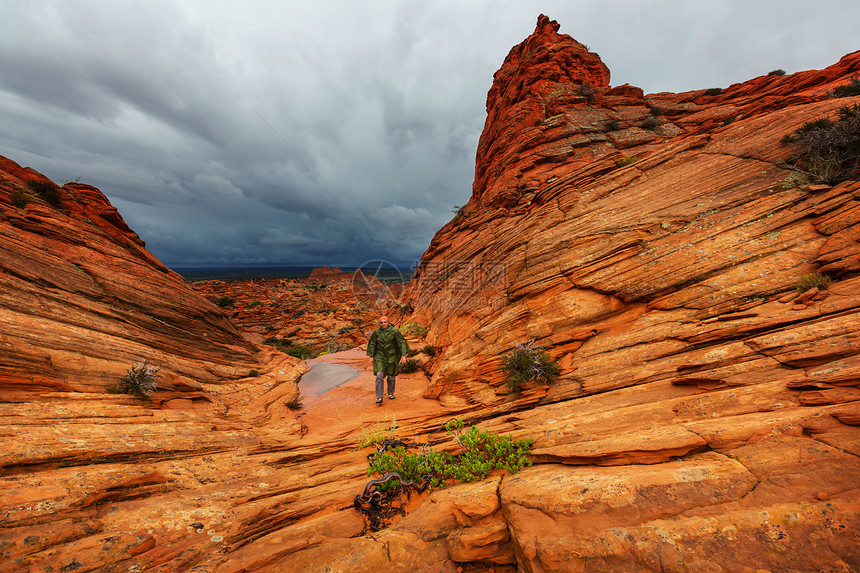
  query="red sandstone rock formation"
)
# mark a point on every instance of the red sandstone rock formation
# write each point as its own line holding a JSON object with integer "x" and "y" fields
{"x": 705, "y": 419}
{"x": 653, "y": 244}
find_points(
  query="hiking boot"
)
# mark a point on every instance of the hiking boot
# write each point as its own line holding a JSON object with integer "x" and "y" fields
{"x": 391, "y": 396}
{"x": 379, "y": 400}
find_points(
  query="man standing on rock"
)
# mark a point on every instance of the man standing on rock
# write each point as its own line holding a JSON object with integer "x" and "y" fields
{"x": 386, "y": 347}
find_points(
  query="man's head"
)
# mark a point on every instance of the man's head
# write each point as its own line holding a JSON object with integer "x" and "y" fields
{"x": 383, "y": 321}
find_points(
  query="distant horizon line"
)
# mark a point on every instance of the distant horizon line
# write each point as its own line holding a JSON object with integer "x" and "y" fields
{"x": 272, "y": 266}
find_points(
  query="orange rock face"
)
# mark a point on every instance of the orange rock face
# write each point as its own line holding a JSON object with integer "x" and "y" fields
{"x": 705, "y": 417}
{"x": 653, "y": 244}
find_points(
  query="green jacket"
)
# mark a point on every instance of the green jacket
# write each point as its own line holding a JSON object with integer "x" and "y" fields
{"x": 387, "y": 347}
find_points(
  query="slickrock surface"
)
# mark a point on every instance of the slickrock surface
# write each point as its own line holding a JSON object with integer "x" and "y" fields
{"x": 653, "y": 244}
{"x": 81, "y": 300}
{"x": 705, "y": 420}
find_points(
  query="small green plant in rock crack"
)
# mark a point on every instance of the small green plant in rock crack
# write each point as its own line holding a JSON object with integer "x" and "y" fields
{"x": 481, "y": 454}
{"x": 138, "y": 381}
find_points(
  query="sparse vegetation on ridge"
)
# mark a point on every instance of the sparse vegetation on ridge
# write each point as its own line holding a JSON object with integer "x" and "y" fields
{"x": 850, "y": 89}
{"x": 829, "y": 150}
{"x": 46, "y": 191}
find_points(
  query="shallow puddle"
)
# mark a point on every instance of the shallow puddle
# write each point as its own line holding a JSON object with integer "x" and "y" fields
{"x": 323, "y": 377}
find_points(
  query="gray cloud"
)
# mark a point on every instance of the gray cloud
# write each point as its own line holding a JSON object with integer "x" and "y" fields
{"x": 330, "y": 132}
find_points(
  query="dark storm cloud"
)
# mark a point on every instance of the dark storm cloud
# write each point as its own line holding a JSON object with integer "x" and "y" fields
{"x": 330, "y": 132}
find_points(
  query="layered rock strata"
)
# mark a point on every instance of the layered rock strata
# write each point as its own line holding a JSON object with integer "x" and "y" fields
{"x": 705, "y": 419}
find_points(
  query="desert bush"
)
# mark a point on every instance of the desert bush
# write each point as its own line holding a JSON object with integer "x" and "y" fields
{"x": 814, "y": 280}
{"x": 587, "y": 91}
{"x": 481, "y": 453}
{"x": 20, "y": 199}
{"x": 414, "y": 329}
{"x": 713, "y": 91}
{"x": 776, "y": 73}
{"x": 254, "y": 303}
{"x": 829, "y": 149}
{"x": 409, "y": 366}
{"x": 429, "y": 350}
{"x": 611, "y": 125}
{"x": 253, "y": 372}
{"x": 850, "y": 89}
{"x": 47, "y": 191}
{"x": 656, "y": 110}
{"x": 294, "y": 404}
{"x": 224, "y": 301}
{"x": 651, "y": 122}
{"x": 627, "y": 160}
{"x": 138, "y": 381}
{"x": 527, "y": 362}
{"x": 300, "y": 351}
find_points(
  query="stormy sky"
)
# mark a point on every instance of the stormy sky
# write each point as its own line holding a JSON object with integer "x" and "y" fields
{"x": 331, "y": 132}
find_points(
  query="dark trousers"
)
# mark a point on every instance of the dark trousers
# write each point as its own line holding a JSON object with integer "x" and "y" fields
{"x": 380, "y": 377}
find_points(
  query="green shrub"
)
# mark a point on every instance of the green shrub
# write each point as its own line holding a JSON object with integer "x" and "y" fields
{"x": 47, "y": 191}
{"x": 20, "y": 199}
{"x": 429, "y": 350}
{"x": 224, "y": 301}
{"x": 253, "y": 372}
{"x": 850, "y": 89}
{"x": 526, "y": 363}
{"x": 814, "y": 280}
{"x": 481, "y": 453}
{"x": 627, "y": 160}
{"x": 254, "y": 303}
{"x": 776, "y": 73}
{"x": 138, "y": 381}
{"x": 409, "y": 366}
{"x": 300, "y": 351}
{"x": 295, "y": 403}
{"x": 414, "y": 329}
{"x": 830, "y": 150}
{"x": 713, "y": 91}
